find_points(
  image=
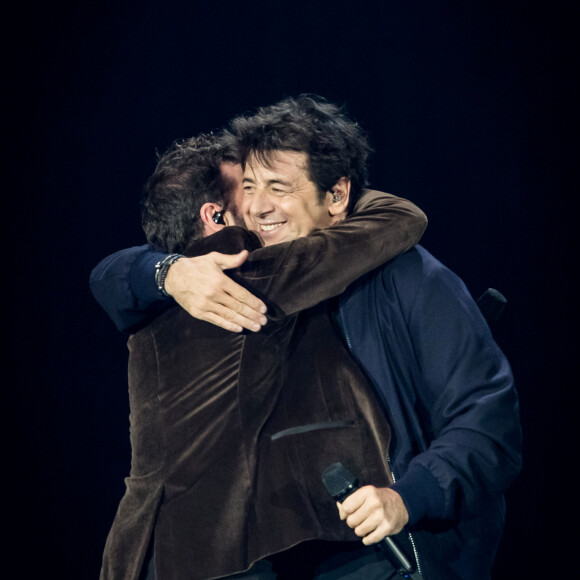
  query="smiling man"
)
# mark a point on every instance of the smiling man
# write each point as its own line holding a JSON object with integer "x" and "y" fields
{"x": 447, "y": 389}
{"x": 281, "y": 203}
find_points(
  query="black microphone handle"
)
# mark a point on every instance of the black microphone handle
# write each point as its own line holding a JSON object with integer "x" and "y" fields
{"x": 390, "y": 543}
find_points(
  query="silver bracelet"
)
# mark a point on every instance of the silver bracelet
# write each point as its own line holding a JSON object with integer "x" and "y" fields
{"x": 161, "y": 269}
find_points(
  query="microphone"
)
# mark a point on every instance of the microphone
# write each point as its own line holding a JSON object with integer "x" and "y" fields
{"x": 492, "y": 304}
{"x": 340, "y": 483}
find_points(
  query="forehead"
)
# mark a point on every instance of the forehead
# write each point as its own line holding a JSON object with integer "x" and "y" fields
{"x": 288, "y": 165}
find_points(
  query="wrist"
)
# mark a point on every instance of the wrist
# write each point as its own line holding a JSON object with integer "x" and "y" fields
{"x": 421, "y": 494}
{"x": 161, "y": 270}
{"x": 142, "y": 279}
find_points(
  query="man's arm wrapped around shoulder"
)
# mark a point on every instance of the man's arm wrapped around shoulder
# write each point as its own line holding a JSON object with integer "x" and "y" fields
{"x": 299, "y": 274}
{"x": 124, "y": 285}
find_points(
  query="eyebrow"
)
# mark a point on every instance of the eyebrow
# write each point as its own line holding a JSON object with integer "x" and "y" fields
{"x": 269, "y": 181}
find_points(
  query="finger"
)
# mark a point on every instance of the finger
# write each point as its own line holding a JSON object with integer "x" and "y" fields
{"x": 228, "y": 261}
{"x": 239, "y": 310}
{"x": 244, "y": 297}
{"x": 368, "y": 526}
{"x": 376, "y": 536}
{"x": 218, "y": 310}
{"x": 358, "y": 519}
{"x": 226, "y": 313}
{"x": 221, "y": 322}
{"x": 237, "y": 319}
{"x": 365, "y": 507}
{"x": 354, "y": 501}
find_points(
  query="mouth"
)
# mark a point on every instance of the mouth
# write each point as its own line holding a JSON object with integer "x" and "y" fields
{"x": 267, "y": 228}
{"x": 270, "y": 233}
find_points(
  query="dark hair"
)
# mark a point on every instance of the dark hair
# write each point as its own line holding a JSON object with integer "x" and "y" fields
{"x": 186, "y": 176}
{"x": 336, "y": 146}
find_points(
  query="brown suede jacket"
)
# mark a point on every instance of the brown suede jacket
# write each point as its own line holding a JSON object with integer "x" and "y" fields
{"x": 230, "y": 432}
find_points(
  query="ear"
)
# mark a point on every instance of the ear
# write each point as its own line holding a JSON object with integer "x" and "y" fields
{"x": 338, "y": 199}
{"x": 207, "y": 213}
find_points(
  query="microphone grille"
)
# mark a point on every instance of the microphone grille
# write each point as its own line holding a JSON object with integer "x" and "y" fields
{"x": 339, "y": 481}
{"x": 492, "y": 304}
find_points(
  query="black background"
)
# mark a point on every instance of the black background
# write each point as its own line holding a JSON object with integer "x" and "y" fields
{"x": 470, "y": 109}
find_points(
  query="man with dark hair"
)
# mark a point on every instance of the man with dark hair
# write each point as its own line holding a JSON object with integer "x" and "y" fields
{"x": 191, "y": 173}
{"x": 218, "y": 433}
{"x": 446, "y": 387}
{"x": 331, "y": 142}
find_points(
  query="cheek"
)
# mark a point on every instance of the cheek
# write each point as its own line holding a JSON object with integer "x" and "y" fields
{"x": 245, "y": 205}
{"x": 317, "y": 215}
{"x": 303, "y": 222}
{"x": 247, "y": 220}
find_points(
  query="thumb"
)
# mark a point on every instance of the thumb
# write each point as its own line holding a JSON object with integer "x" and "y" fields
{"x": 228, "y": 261}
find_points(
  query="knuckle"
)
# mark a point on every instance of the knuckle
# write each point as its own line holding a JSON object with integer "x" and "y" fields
{"x": 202, "y": 303}
{"x": 359, "y": 532}
{"x": 229, "y": 315}
{"x": 210, "y": 294}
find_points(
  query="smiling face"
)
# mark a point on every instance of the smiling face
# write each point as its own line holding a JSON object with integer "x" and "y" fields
{"x": 280, "y": 201}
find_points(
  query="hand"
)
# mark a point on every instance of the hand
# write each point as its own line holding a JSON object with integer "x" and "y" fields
{"x": 374, "y": 513}
{"x": 201, "y": 288}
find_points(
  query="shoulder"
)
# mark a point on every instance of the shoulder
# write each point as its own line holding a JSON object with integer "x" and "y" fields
{"x": 414, "y": 279}
{"x": 417, "y": 262}
{"x": 414, "y": 269}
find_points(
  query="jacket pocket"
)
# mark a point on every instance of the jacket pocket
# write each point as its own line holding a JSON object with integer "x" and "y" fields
{"x": 311, "y": 427}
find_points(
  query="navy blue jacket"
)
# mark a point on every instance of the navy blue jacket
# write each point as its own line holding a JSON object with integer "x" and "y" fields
{"x": 450, "y": 398}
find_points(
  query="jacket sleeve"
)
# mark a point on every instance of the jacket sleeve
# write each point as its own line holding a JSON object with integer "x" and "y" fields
{"x": 467, "y": 402}
{"x": 124, "y": 285}
{"x": 296, "y": 275}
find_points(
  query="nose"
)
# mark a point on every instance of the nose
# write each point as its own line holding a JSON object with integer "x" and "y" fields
{"x": 261, "y": 203}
